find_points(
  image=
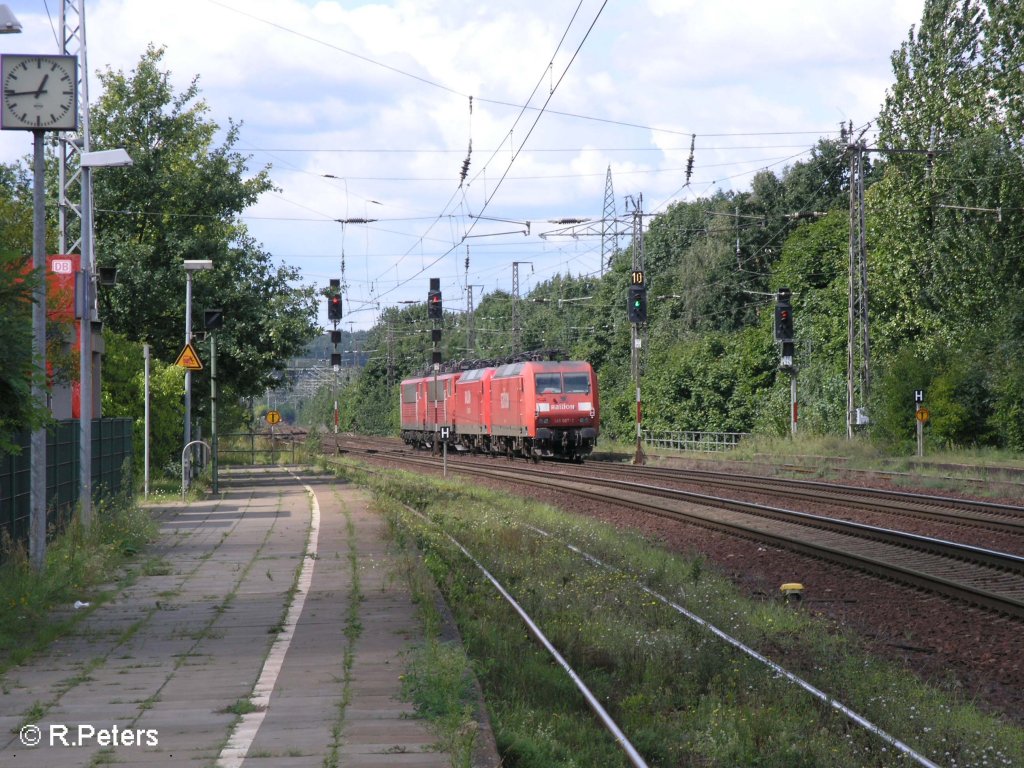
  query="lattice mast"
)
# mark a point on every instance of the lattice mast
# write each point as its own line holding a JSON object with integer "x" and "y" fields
{"x": 72, "y": 24}
{"x": 516, "y": 330}
{"x": 609, "y": 236}
{"x": 470, "y": 314}
{"x": 637, "y": 329}
{"x": 858, "y": 350}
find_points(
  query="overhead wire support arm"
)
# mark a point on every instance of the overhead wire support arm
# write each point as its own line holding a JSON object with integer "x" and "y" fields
{"x": 524, "y": 232}
{"x": 590, "y": 228}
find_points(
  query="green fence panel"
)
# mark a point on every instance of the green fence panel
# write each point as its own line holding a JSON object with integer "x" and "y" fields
{"x": 14, "y": 486}
{"x": 61, "y": 473}
{"x": 111, "y": 473}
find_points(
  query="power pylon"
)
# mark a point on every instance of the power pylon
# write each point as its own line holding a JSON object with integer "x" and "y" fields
{"x": 609, "y": 236}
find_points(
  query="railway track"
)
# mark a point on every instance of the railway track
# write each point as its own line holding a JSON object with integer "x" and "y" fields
{"x": 982, "y": 577}
{"x": 1005, "y": 518}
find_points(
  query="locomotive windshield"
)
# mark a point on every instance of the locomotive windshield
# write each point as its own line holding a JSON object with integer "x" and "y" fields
{"x": 576, "y": 383}
{"x": 557, "y": 383}
{"x": 549, "y": 383}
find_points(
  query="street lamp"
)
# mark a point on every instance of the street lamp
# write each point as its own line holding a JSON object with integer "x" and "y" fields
{"x": 191, "y": 265}
{"x": 110, "y": 158}
{"x": 9, "y": 25}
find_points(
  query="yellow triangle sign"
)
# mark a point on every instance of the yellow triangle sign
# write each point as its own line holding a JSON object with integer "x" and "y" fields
{"x": 188, "y": 359}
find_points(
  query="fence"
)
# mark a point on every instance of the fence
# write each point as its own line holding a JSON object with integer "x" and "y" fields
{"x": 111, "y": 446}
{"x": 693, "y": 441}
{"x": 255, "y": 448}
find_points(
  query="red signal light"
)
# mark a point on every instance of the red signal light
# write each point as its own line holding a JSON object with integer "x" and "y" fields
{"x": 334, "y": 306}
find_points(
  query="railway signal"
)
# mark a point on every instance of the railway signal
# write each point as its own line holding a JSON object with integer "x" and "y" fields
{"x": 783, "y": 316}
{"x": 636, "y": 307}
{"x": 435, "y": 310}
{"x": 213, "y": 319}
{"x": 334, "y": 300}
{"x": 784, "y": 334}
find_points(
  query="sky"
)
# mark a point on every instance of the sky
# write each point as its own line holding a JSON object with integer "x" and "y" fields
{"x": 370, "y": 111}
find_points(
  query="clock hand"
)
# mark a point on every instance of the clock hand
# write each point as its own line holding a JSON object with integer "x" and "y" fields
{"x": 21, "y": 93}
{"x": 42, "y": 87}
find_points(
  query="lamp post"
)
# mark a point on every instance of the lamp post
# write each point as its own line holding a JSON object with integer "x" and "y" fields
{"x": 111, "y": 158}
{"x": 9, "y": 25}
{"x": 191, "y": 265}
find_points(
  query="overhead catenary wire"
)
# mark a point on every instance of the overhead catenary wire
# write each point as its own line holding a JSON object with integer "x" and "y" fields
{"x": 511, "y": 161}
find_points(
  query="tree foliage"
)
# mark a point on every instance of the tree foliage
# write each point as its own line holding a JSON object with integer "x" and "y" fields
{"x": 18, "y": 410}
{"x": 181, "y": 199}
{"x": 947, "y": 228}
{"x": 124, "y": 396}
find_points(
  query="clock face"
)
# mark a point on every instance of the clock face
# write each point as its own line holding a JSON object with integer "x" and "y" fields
{"x": 39, "y": 93}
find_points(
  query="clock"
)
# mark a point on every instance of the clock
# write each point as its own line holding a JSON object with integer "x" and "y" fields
{"x": 40, "y": 93}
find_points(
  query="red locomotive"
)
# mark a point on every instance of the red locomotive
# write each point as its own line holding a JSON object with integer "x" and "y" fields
{"x": 534, "y": 409}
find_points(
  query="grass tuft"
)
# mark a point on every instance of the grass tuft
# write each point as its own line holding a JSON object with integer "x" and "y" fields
{"x": 77, "y": 562}
{"x": 680, "y": 694}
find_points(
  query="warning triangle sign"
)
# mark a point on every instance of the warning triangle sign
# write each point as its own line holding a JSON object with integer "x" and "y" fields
{"x": 188, "y": 359}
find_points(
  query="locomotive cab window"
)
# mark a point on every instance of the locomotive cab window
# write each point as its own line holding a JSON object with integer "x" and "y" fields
{"x": 549, "y": 383}
{"x": 409, "y": 393}
{"x": 577, "y": 384}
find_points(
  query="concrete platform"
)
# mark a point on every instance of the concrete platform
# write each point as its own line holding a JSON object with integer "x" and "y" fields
{"x": 270, "y": 633}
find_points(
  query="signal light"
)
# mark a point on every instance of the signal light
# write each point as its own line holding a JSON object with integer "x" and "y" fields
{"x": 334, "y": 307}
{"x": 783, "y": 316}
{"x": 213, "y": 319}
{"x": 334, "y": 300}
{"x": 435, "y": 310}
{"x": 636, "y": 308}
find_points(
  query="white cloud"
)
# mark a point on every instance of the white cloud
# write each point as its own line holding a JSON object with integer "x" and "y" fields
{"x": 376, "y": 94}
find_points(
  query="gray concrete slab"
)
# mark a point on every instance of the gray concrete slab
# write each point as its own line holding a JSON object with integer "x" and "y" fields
{"x": 184, "y": 653}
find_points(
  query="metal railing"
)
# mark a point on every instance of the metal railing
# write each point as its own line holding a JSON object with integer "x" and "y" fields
{"x": 692, "y": 441}
{"x": 252, "y": 448}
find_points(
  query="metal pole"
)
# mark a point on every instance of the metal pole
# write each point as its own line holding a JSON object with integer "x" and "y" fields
{"x": 851, "y": 318}
{"x": 639, "y": 457}
{"x": 145, "y": 437}
{"x": 85, "y": 356}
{"x": 862, "y": 257}
{"x": 920, "y": 430}
{"x": 792, "y": 402}
{"x": 188, "y": 373}
{"x": 37, "y": 513}
{"x": 213, "y": 407}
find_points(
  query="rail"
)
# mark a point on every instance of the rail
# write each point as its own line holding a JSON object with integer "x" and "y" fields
{"x": 693, "y": 441}
{"x": 942, "y": 571}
